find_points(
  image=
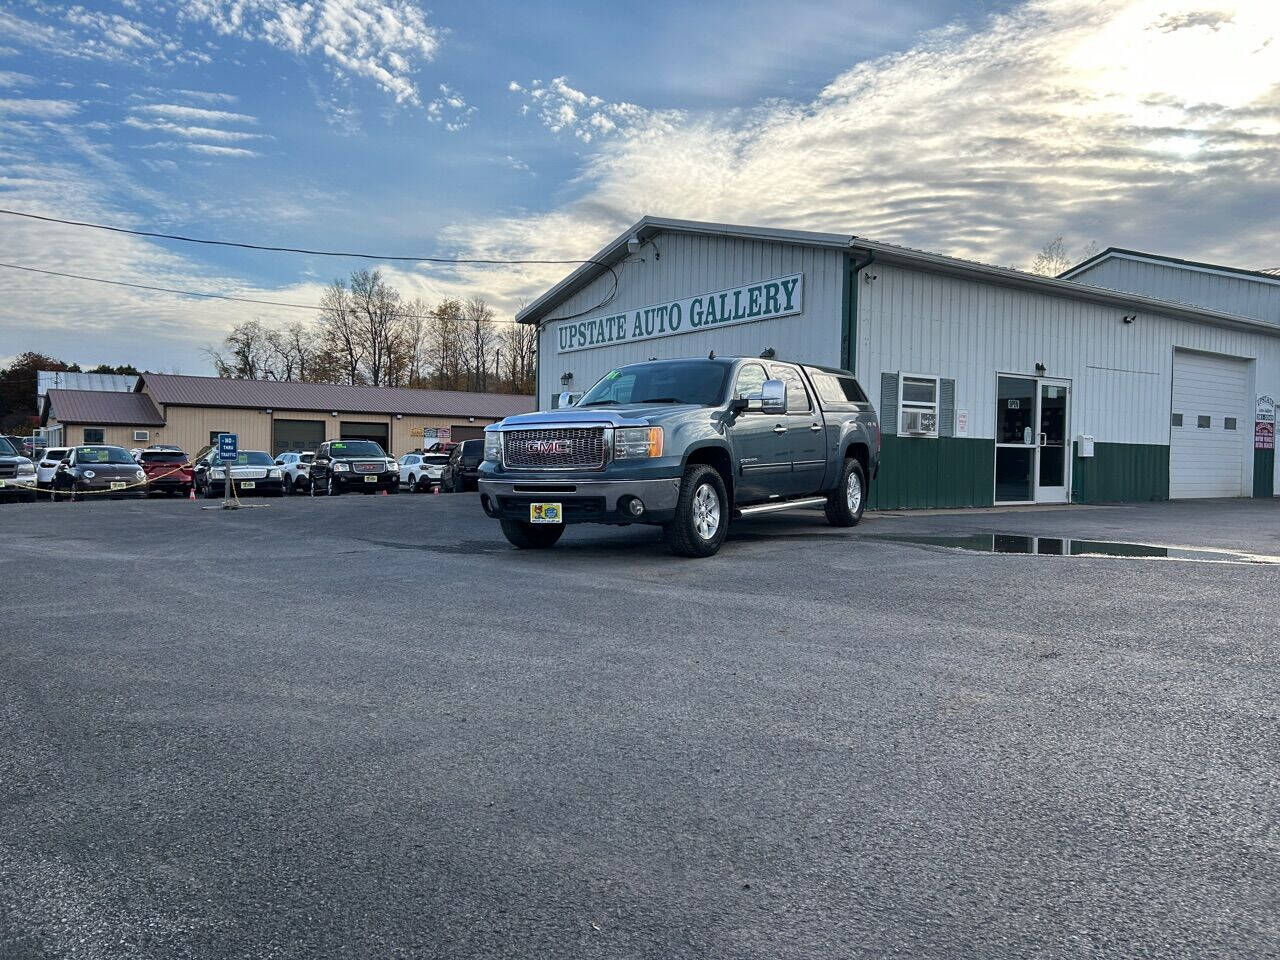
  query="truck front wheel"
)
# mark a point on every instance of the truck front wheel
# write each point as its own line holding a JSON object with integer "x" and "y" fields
{"x": 847, "y": 501}
{"x": 702, "y": 514}
{"x": 528, "y": 536}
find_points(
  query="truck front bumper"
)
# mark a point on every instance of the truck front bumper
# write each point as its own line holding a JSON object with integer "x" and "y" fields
{"x": 584, "y": 501}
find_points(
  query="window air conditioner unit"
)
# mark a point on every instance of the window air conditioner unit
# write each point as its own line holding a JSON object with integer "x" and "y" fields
{"x": 919, "y": 421}
{"x": 142, "y": 435}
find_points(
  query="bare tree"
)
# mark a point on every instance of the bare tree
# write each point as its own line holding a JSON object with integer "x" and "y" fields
{"x": 377, "y": 307}
{"x": 445, "y": 346}
{"x": 415, "y": 337}
{"x": 518, "y": 349}
{"x": 247, "y": 353}
{"x": 340, "y": 331}
{"x": 480, "y": 342}
{"x": 1054, "y": 258}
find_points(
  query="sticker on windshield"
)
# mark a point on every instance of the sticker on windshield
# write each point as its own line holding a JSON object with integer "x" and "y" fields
{"x": 613, "y": 374}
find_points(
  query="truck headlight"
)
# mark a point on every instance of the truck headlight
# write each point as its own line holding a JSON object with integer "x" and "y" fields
{"x": 493, "y": 446}
{"x": 217, "y": 474}
{"x": 89, "y": 474}
{"x": 139, "y": 475}
{"x": 26, "y": 468}
{"x": 273, "y": 474}
{"x": 632, "y": 443}
{"x": 342, "y": 468}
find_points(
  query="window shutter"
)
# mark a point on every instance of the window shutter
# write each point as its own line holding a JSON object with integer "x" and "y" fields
{"x": 946, "y": 408}
{"x": 889, "y": 403}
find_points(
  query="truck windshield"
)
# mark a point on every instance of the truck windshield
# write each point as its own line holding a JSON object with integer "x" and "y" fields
{"x": 6, "y": 448}
{"x": 682, "y": 381}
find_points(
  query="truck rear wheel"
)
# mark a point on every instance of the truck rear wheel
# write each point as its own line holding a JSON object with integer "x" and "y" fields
{"x": 702, "y": 514}
{"x": 847, "y": 501}
{"x": 528, "y": 536}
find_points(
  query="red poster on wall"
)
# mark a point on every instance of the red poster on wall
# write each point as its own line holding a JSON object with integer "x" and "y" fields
{"x": 1264, "y": 435}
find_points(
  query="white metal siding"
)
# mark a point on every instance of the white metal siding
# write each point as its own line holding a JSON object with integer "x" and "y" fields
{"x": 1241, "y": 296}
{"x": 1209, "y": 461}
{"x": 1121, "y": 373}
{"x": 689, "y": 265}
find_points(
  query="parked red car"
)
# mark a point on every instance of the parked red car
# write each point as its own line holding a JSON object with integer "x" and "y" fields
{"x": 167, "y": 471}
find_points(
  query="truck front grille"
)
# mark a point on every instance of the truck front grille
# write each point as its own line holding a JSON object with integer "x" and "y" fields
{"x": 375, "y": 467}
{"x": 8, "y": 471}
{"x": 575, "y": 448}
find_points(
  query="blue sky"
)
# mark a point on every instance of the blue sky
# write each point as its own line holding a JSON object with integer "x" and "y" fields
{"x": 539, "y": 129}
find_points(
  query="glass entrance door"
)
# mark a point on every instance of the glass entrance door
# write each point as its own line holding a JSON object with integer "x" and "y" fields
{"x": 1031, "y": 440}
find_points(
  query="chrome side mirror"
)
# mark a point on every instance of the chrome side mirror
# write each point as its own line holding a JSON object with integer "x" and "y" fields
{"x": 773, "y": 397}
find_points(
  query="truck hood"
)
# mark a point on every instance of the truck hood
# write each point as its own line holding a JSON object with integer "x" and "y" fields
{"x": 631, "y": 415}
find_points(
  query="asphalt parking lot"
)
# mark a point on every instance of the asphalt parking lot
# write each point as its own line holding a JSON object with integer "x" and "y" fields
{"x": 366, "y": 727}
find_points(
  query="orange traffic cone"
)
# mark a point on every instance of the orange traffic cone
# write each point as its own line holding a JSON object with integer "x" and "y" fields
{"x": 191, "y": 493}
{"x": 435, "y": 490}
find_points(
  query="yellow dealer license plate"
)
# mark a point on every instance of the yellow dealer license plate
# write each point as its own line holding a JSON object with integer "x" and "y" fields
{"x": 370, "y": 479}
{"x": 247, "y": 484}
{"x": 118, "y": 484}
{"x": 545, "y": 513}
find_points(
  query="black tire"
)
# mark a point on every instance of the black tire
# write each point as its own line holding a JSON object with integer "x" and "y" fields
{"x": 413, "y": 484}
{"x": 311, "y": 487}
{"x": 528, "y": 536}
{"x": 286, "y": 486}
{"x": 207, "y": 492}
{"x": 331, "y": 488}
{"x": 702, "y": 514}
{"x": 846, "y": 503}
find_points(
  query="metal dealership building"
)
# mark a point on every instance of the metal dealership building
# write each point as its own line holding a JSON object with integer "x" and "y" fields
{"x": 1132, "y": 377}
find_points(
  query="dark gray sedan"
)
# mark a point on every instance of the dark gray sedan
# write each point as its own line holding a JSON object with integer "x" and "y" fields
{"x": 98, "y": 470}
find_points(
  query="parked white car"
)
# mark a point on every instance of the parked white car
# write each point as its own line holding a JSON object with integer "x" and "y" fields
{"x": 47, "y": 466}
{"x": 421, "y": 471}
{"x": 296, "y": 468}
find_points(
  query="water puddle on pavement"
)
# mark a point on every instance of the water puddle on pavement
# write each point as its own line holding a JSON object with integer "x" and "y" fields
{"x": 1071, "y": 547}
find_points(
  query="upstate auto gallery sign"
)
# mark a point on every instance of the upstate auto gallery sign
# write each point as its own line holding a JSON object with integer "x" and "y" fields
{"x": 764, "y": 300}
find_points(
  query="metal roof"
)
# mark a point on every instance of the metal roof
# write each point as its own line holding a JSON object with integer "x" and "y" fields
{"x": 185, "y": 391}
{"x": 100, "y": 407}
{"x": 1271, "y": 275}
{"x": 647, "y": 227}
{"x": 47, "y": 380}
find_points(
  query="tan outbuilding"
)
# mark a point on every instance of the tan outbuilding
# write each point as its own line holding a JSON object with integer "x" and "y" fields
{"x": 271, "y": 415}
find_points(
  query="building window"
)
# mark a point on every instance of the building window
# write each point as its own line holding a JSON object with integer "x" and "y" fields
{"x": 1229, "y": 423}
{"x": 94, "y": 435}
{"x": 140, "y": 435}
{"x": 918, "y": 405}
{"x": 1176, "y": 420}
{"x": 1202, "y": 423}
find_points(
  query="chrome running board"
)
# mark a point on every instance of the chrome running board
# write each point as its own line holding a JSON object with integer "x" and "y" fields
{"x": 780, "y": 505}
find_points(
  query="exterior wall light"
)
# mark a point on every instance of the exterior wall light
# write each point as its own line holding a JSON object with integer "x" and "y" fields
{"x": 566, "y": 379}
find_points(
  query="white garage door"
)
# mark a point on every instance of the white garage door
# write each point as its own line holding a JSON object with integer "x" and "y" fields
{"x": 1207, "y": 452}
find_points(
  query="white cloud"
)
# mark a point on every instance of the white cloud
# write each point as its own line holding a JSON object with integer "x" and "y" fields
{"x": 192, "y": 133}
{"x": 11, "y": 78}
{"x": 380, "y": 40}
{"x": 209, "y": 149}
{"x": 450, "y": 109}
{"x": 174, "y": 111}
{"x": 207, "y": 96}
{"x": 45, "y": 109}
{"x": 563, "y": 108}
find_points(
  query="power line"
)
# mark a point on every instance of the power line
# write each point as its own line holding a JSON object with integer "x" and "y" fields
{"x": 270, "y": 249}
{"x": 266, "y": 303}
{"x": 184, "y": 293}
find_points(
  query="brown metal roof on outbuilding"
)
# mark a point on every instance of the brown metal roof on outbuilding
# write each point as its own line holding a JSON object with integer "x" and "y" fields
{"x": 177, "y": 390}
{"x": 101, "y": 408}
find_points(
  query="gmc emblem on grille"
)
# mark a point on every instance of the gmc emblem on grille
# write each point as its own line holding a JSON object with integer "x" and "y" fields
{"x": 549, "y": 446}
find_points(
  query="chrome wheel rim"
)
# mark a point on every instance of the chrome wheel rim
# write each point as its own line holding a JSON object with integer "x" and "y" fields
{"x": 706, "y": 511}
{"x": 853, "y": 492}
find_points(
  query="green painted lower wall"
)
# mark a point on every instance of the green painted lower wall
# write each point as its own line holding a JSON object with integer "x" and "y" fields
{"x": 1121, "y": 473}
{"x": 1264, "y": 473}
{"x": 920, "y": 472}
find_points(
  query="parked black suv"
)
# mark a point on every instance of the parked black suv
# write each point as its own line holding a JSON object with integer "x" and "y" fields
{"x": 17, "y": 473}
{"x": 342, "y": 465}
{"x": 463, "y": 469}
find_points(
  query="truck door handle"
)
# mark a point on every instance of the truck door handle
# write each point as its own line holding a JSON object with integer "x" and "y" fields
{"x": 1044, "y": 440}
{"x": 779, "y": 429}
{"x": 815, "y": 427}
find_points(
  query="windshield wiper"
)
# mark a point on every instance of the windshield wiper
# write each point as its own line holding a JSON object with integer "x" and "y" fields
{"x": 598, "y": 403}
{"x": 663, "y": 400}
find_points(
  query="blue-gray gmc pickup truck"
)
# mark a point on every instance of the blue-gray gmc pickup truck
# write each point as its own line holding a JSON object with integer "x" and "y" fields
{"x": 688, "y": 445}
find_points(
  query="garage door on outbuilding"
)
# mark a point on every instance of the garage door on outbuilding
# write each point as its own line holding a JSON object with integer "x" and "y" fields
{"x": 459, "y": 432}
{"x": 1210, "y": 426}
{"x": 296, "y": 435}
{"x": 379, "y": 433}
